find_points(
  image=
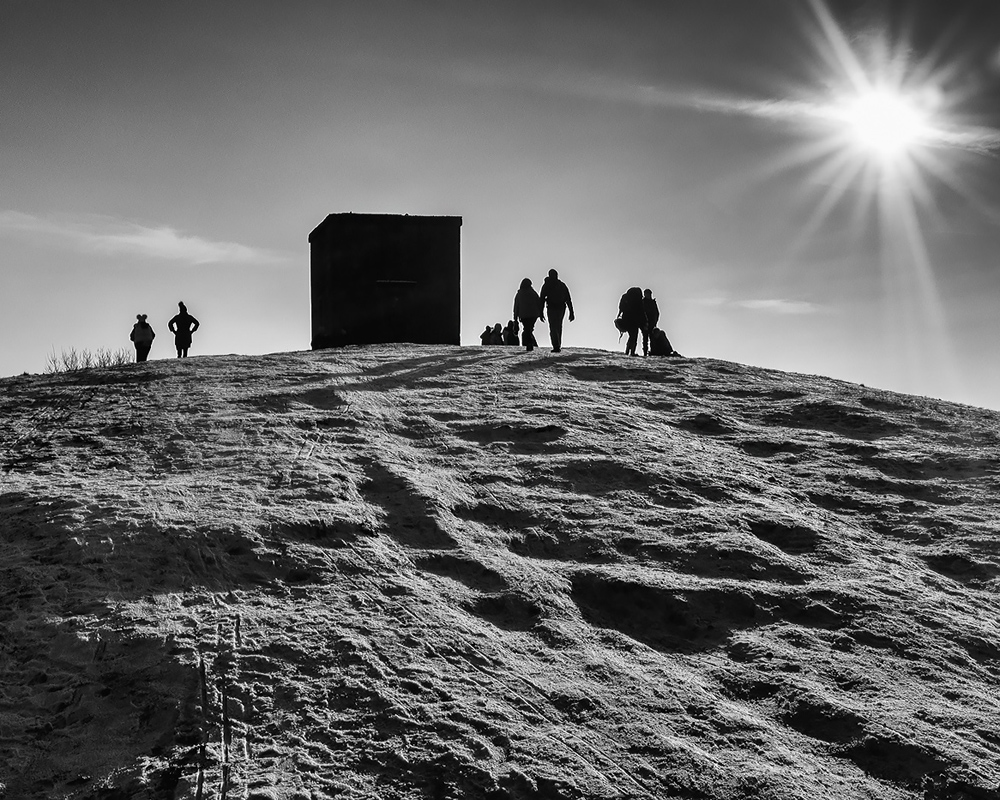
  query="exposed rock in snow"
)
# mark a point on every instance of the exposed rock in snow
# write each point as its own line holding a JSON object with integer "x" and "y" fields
{"x": 433, "y": 572}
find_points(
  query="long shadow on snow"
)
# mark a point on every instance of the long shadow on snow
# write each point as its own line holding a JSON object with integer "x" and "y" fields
{"x": 73, "y": 670}
{"x": 695, "y": 620}
{"x": 111, "y": 696}
{"x": 408, "y": 517}
{"x": 403, "y": 373}
{"x": 604, "y": 373}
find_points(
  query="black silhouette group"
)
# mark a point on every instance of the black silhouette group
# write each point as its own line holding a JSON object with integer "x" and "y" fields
{"x": 637, "y": 311}
{"x": 181, "y": 325}
{"x": 531, "y": 307}
{"x": 499, "y": 334}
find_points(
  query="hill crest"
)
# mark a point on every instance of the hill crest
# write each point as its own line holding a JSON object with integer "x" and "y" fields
{"x": 436, "y": 572}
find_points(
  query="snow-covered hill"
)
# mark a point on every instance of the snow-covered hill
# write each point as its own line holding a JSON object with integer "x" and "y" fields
{"x": 436, "y": 572}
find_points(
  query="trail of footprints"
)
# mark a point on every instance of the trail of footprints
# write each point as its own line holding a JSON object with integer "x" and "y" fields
{"x": 668, "y": 620}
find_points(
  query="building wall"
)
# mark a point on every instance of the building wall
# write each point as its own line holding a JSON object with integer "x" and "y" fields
{"x": 378, "y": 278}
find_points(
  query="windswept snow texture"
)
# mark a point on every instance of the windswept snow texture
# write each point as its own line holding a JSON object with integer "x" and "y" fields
{"x": 436, "y": 572}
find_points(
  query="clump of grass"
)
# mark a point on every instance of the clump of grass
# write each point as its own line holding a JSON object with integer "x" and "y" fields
{"x": 73, "y": 359}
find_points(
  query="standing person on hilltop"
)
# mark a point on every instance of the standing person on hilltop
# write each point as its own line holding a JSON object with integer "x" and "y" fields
{"x": 527, "y": 310}
{"x": 633, "y": 317}
{"x": 555, "y": 296}
{"x": 652, "y": 312}
{"x": 182, "y": 325}
{"x": 142, "y": 337}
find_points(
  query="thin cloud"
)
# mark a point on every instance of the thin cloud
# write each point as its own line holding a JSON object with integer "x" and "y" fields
{"x": 722, "y": 104}
{"x": 110, "y": 236}
{"x": 982, "y": 140}
{"x": 778, "y": 111}
{"x": 977, "y": 139}
{"x": 985, "y": 141}
{"x": 767, "y": 306}
{"x": 780, "y": 306}
{"x": 601, "y": 87}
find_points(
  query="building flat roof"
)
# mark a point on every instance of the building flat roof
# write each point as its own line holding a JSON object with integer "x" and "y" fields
{"x": 350, "y": 216}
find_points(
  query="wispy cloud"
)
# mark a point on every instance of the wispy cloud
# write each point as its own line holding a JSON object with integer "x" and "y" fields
{"x": 766, "y": 306}
{"x": 111, "y": 236}
{"x": 602, "y": 87}
{"x": 780, "y": 306}
{"x": 942, "y": 134}
{"x": 977, "y": 139}
{"x": 722, "y": 104}
{"x": 820, "y": 111}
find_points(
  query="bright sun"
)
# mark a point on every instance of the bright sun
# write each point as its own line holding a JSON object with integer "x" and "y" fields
{"x": 883, "y": 122}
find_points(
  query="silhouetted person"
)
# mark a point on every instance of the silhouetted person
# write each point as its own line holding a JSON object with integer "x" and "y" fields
{"x": 652, "y": 312}
{"x": 555, "y": 297}
{"x": 182, "y": 325}
{"x": 633, "y": 317}
{"x": 142, "y": 337}
{"x": 510, "y": 333}
{"x": 486, "y": 336}
{"x": 527, "y": 310}
{"x": 659, "y": 344}
{"x": 496, "y": 335}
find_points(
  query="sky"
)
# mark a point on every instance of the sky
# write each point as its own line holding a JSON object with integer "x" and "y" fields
{"x": 804, "y": 185}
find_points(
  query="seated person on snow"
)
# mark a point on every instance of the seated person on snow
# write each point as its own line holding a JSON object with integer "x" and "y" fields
{"x": 659, "y": 344}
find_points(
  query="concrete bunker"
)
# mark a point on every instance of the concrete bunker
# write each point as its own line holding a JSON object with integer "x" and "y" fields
{"x": 380, "y": 278}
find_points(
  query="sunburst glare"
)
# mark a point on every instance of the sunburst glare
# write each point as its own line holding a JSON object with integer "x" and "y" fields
{"x": 886, "y": 123}
{"x": 879, "y": 133}
{"x": 882, "y": 137}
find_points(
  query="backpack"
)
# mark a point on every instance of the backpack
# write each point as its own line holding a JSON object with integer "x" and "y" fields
{"x": 630, "y": 307}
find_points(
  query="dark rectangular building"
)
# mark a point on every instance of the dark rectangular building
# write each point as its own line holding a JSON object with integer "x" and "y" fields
{"x": 379, "y": 278}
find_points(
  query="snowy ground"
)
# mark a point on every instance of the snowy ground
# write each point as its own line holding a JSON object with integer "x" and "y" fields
{"x": 436, "y": 572}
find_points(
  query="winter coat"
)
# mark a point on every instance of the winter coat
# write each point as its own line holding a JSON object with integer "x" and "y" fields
{"x": 527, "y": 305}
{"x": 510, "y": 333}
{"x": 651, "y": 310}
{"x": 630, "y": 309}
{"x": 659, "y": 344}
{"x": 182, "y": 326}
{"x": 555, "y": 294}
{"x": 142, "y": 333}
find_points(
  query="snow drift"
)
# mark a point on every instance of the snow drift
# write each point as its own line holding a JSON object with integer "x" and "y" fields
{"x": 442, "y": 572}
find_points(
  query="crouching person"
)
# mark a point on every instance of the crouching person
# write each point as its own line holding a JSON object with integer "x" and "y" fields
{"x": 659, "y": 344}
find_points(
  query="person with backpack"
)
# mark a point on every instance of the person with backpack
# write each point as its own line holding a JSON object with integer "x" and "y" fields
{"x": 142, "y": 337}
{"x": 527, "y": 310}
{"x": 555, "y": 297}
{"x": 652, "y": 313}
{"x": 632, "y": 317}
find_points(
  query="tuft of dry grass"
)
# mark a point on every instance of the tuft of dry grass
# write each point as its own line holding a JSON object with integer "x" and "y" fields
{"x": 72, "y": 359}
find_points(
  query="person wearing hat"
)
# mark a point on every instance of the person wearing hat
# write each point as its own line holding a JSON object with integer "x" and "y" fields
{"x": 182, "y": 325}
{"x": 142, "y": 337}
